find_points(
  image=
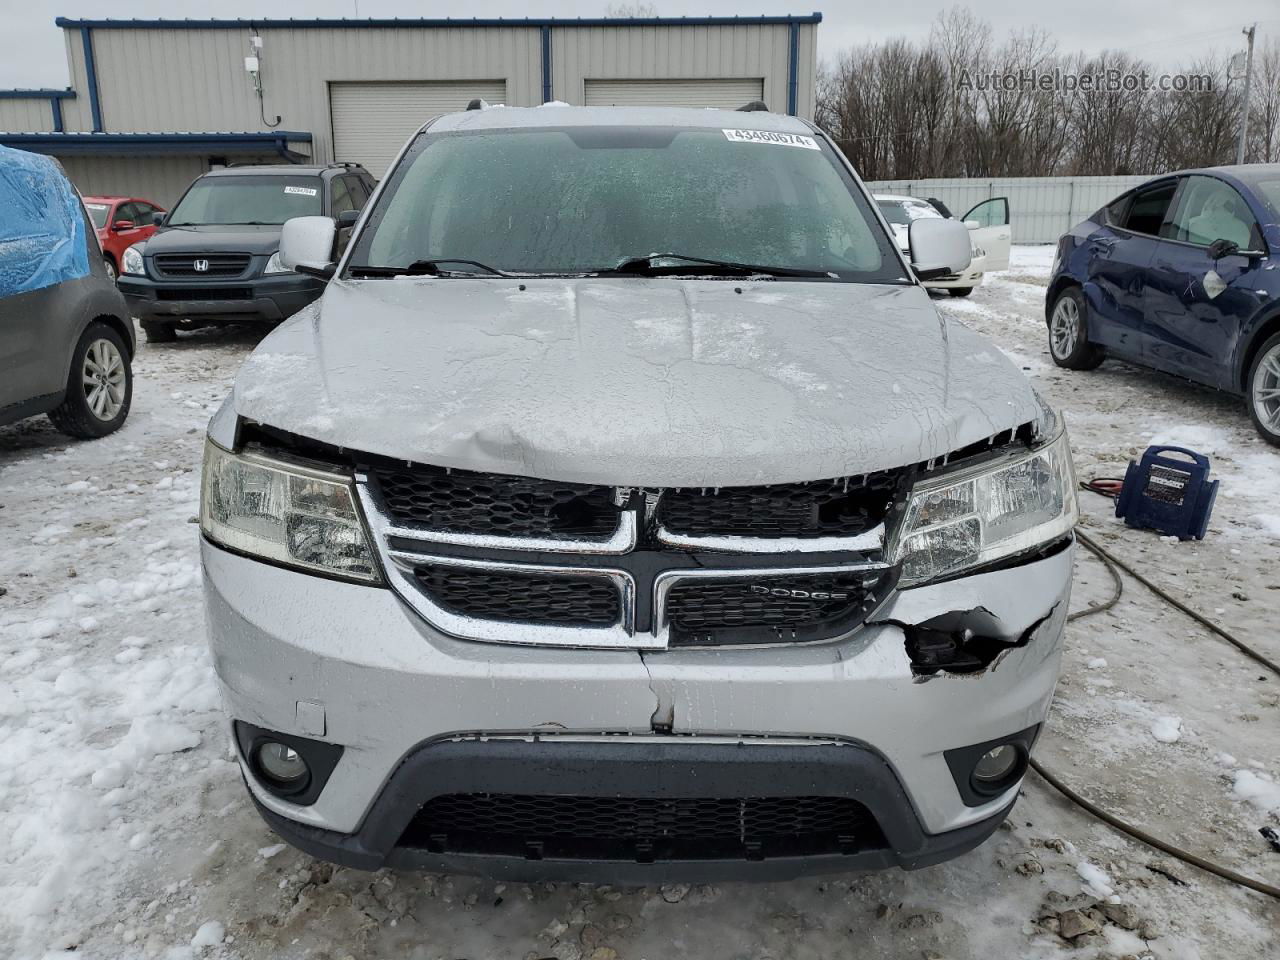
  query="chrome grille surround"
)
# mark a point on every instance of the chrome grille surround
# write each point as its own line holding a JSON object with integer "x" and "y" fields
{"x": 407, "y": 549}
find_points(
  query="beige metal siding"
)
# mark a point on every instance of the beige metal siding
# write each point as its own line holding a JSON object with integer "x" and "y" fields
{"x": 371, "y": 121}
{"x": 726, "y": 94}
{"x": 671, "y": 53}
{"x": 194, "y": 80}
{"x": 160, "y": 179}
{"x": 806, "y": 72}
{"x": 26, "y": 115}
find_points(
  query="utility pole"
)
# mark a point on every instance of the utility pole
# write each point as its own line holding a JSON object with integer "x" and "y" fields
{"x": 1244, "y": 109}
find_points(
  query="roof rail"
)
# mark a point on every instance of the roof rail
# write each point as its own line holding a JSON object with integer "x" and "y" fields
{"x": 755, "y": 106}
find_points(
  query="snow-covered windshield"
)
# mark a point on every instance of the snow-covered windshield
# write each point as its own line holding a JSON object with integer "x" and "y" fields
{"x": 581, "y": 199}
{"x": 904, "y": 211}
{"x": 249, "y": 199}
{"x": 98, "y": 214}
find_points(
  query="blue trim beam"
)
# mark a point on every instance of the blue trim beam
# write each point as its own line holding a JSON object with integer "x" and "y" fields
{"x": 546, "y": 63}
{"x": 793, "y": 69}
{"x": 18, "y": 94}
{"x": 69, "y": 23}
{"x": 55, "y": 104}
{"x": 91, "y": 73}
{"x": 63, "y": 144}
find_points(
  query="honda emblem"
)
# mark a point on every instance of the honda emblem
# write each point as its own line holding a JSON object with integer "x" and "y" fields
{"x": 201, "y": 266}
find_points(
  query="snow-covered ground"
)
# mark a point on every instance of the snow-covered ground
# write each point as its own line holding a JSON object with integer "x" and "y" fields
{"x": 128, "y": 833}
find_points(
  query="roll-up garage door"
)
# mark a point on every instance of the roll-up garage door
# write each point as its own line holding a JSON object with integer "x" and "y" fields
{"x": 371, "y": 121}
{"x": 726, "y": 94}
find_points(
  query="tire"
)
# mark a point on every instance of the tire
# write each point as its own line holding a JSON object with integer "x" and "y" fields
{"x": 159, "y": 332}
{"x": 1263, "y": 391}
{"x": 99, "y": 385}
{"x": 1069, "y": 333}
{"x": 110, "y": 264}
{"x": 959, "y": 291}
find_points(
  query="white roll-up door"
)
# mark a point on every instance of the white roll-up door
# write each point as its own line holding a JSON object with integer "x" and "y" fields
{"x": 725, "y": 94}
{"x": 371, "y": 121}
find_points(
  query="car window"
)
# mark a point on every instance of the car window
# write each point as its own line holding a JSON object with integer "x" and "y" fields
{"x": 341, "y": 197}
{"x": 249, "y": 199}
{"x": 98, "y": 213}
{"x": 1148, "y": 208}
{"x": 575, "y": 200}
{"x": 904, "y": 211}
{"x": 358, "y": 192}
{"x": 1116, "y": 209}
{"x": 990, "y": 213}
{"x": 1210, "y": 209}
{"x": 130, "y": 212}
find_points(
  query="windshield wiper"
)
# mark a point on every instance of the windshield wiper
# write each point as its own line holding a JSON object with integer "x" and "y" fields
{"x": 423, "y": 268}
{"x": 650, "y": 266}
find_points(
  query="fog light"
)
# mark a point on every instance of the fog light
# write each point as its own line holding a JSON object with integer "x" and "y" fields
{"x": 995, "y": 765}
{"x": 281, "y": 763}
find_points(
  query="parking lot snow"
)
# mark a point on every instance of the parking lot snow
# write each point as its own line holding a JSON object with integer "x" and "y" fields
{"x": 129, "y": 833}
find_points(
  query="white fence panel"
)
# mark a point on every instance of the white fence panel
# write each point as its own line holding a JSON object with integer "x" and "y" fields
{"x": 1041, "y": 209}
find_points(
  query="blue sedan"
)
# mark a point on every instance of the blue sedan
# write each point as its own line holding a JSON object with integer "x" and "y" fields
{"x": 1181, "y": 274}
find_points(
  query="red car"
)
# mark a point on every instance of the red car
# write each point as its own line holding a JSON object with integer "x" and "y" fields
{"x": 121, "y": 222}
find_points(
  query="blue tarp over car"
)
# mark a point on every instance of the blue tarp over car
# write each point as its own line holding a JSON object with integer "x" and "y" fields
{"x": 42, "y": 231}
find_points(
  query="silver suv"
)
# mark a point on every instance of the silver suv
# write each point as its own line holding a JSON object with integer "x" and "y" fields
{"x": 624, "y": 511}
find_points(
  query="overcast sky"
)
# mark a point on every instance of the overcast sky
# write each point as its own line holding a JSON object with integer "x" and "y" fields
{"x": 32, "y": 52}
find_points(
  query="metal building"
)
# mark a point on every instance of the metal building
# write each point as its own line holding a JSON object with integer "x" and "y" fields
{"x": 154, "y": 103}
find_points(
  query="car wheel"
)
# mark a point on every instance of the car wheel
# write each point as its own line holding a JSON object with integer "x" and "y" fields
{"x": 1264, "y": 391}
{"x": 99, "y": 388}
{"x": 1069, "y": 333}
{"x": 159, "y": 332}
{"x": 111, "y": 267}
{"x": 959, "y": 291}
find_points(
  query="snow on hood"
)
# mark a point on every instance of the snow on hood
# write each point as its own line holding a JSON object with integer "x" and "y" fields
{"x": 650, "y": 382}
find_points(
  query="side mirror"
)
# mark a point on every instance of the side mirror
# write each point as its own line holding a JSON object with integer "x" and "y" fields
{"x": 347, "y": 218}
{"x": 306, "y": 245}
{"x": 157, "y": 218}
{"x": 938, "y": 247}
{"x": 1223, "y": 248}
{"x": 972, "y": 224}
{"x": 123, "y": 225}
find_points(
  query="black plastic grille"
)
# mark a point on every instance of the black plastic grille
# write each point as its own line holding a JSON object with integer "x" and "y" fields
{"x": 492, "y": 595}
{"x": 184, "y": 264}
{"x": 204, "y": 293}
{"x": 842, "y": 507}
{"x": 460, "y": 501}
{"x": 642, "y": 829}
{"x": 707, "y": 612}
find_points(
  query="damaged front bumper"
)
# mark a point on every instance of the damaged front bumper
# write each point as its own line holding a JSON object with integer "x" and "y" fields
{"x": 354, "y": 666}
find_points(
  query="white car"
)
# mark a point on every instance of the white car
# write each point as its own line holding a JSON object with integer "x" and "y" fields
{"x": 989, "y": 229}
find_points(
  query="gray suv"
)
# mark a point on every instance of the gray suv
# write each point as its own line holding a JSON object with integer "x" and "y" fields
{"x": 215, "y": 257}
{"x": 66, "y": 341}
{"x": 624, "y": 511}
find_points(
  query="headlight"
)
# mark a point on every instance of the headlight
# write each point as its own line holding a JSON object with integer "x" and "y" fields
{"x": 131, "y": 262}
{"x": 275, "y": 266}
{"x": 286, "y": 513}
{"x": 985, "y": 513}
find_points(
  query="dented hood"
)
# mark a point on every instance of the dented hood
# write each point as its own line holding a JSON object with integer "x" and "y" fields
{"x": 634, "y": 381}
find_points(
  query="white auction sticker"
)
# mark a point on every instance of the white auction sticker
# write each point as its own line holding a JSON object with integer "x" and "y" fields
{"x": 768, "y": 136}
{"x": 301, "y": 191}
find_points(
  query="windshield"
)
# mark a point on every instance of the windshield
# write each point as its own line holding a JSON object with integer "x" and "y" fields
{"x": 583, "y": 199}
{"x": 1268, "y": 188}
{"x": 904, "y": 211}
{"x": 98, "y": 213}
{"x": 248, "y": 199}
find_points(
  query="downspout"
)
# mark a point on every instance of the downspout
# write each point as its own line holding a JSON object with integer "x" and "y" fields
{"x": 56, "y": 104}
{"x": 91, "y": 73}
{"x": 546, "y": 63}
{"x": 793, "y": 69}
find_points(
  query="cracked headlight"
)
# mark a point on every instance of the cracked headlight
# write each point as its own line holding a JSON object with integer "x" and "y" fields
{"x": 285, "y": 513}
{"x": 131, "y": 262}
{"x": 975, "y": 516}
